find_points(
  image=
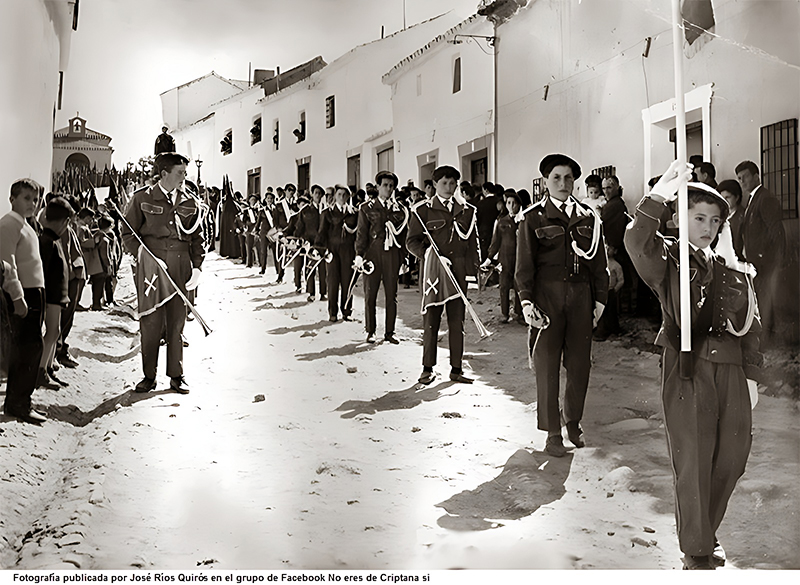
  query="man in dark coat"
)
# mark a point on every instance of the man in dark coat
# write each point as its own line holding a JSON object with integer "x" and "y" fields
{"x": 337, "y": 234}
{"x": 614, "y": 215}
{"x": 228, "y": 240}
{"x": 164, "y": 142}
{"x": 763, "y": 241}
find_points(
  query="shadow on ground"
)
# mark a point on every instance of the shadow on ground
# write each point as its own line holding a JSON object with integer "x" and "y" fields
{"x": 527, "y": 482}
{"x": 74, "y": 416}
{"x": 396, "y": 400}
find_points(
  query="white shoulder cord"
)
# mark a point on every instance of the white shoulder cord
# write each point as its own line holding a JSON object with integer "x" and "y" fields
{"x": 590, "y": 254}
{"x": 461, "y": 234}
{"x": 751, "y": 311}
{"x": 201, "y": 214}
{"x": 392, "y": 232}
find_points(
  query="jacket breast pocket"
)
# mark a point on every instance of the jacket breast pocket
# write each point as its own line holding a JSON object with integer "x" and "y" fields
{"x": 551, "y": 235}
{"x": 151, "y": 209}
{"x": 434, "y": 225}
{"x": 185, "y": 211}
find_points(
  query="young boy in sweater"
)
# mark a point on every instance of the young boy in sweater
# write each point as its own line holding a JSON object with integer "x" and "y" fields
{"x": 24, "y": 284}
{"x": 707, "y": 406}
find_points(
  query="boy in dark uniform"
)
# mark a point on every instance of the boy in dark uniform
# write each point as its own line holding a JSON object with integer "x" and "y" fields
{"x": 707, "y": 416}
{"x": 167, "y": 220}
{"x": 504, "y": 244}
{"x": 337, "y": 234}
{"x": 562, "y": 282}
{"x": 379, "y": 239}
{"x": 452, "y": 226}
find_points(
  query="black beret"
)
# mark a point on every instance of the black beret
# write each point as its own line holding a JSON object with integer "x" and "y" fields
{"x": 554, "y": 160}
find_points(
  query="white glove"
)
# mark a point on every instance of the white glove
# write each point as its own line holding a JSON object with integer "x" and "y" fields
{"x": 446, "y": 261}
{"x": 194, "y": 280}
{"x": 534, "y": 316}
{"x": 486, "y": 264}
{"x": 667, "y": 185}
{"x": 159, "y": 260}
{"x": 20, "y": 307}
{"x": 598, "y": 312}
{"x": 358, "y": 263}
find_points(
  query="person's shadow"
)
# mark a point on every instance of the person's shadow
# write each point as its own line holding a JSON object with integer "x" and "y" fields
{"x": 74, "y": 416}
{"x": 396, "y": 400}
{"x": 527, "y": 482}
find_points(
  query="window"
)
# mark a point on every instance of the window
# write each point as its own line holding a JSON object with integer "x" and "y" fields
{"x": 605, "y": 172}
{"x": 255, "y": 131}
{"x": 779, "y": 163}
{"x": 419, "y": 84}
{"x": 330, "y": 111}
{"x": 275, "y": 135}
{"x": 457, "y": 75}
{"x": 386, "y": 158}
{"x": 300, "y": 131}
{"x": 254, "y": 182}
{"x": 226, "y": 144}
{"x": 537, "y": 189}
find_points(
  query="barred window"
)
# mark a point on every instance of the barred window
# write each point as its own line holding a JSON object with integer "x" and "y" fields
{"x": 605, "y": 172}
{"x": 330, "y": 111}
{"x": 779, "y": 163}
{"x": 538, "y": 190}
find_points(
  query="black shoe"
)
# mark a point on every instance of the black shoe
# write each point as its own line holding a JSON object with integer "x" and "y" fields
{"x": 32, "y": 417}
{"x": 555, "y": 446}
{"x": 694, "y": 563}
{"x": 575, "y": 434}
{"x": 346, "y": 318}
{"x": 184, "y": 341}
{"x": 178, "y": 384}
{"x": 333, "y": 318}
{"x": 460, "y": 378}
{"x": 426, "y": 377}
{"x": 262, "y": 271}
{"x": 718, "y": 557}
{"x": 310, "y": 298}
{"x": 146, "y": 385}
{"x": 44, "y": 381}
{"x": 298, "y": 291}
{"x": 323, "y": 298}
{"x": 66, "y": 361}
{"x": 392, "y": 339}
{"x": 279, "y": 280}
{"x": 371, "y": 338}
{"x": 57, "y": 380}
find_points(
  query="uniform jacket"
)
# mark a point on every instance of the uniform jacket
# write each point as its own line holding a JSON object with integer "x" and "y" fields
{"x": 332, "y": 233}
{"x": 77, "y": 264}
{"x": 545, "y": 253}
{"x": 91, "y": 254}
{"x": 372, "y": 232}
{"x": 154, "y": 219}
{"x": 447, "y": 230}
{"x": 248, "y": 220}
{"x": 265, "y": 221}
{"x": 656, "y": 259}
{"x": 56, "y": 268}
{"x": 762, "y": 232}
{"x": 615, "y": 218}
{"x": 504, "y": 241}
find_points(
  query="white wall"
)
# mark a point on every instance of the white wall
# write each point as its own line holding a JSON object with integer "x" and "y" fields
{"x": 192, "y": 101}
{"x": 438, "y": 119}
{"x": 30, "y": 45}
{"x": 591, "y": 55}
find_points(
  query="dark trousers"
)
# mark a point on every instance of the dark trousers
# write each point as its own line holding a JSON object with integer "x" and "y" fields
{"x": 297, "y": 264}
{"x": 708, "y": 424}
{"x": 26, "y": 353}
{"x": 570, "y": 307}
{"x": 506, "y": 286}
{"x": 767, "y": 285}
{"x": 278, "y": 267}
{"x": 166, "y": 321}
{"x": 340, "y": 272}
{"x": 110, "y": 286}
{"x": 250, "y": 249}
{"x": 263, "y": 245}
{"x": 387, "y": 270}
{"x": 321, "y": 273}
{"x": 455, "y": 331}
{"x": 68, "y": 314}
{"x": 98, "y": 282}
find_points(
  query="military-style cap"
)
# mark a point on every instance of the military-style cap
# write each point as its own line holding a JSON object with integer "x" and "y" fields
{"x": 554, "y": 160}
{"x": 386, "y": 175}
{"x": 702, "y": 187}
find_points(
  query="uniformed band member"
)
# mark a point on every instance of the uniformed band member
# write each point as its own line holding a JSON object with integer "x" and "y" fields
{"x": 381, "y": 229}
{"x": 249, "y": 220}
{"x": 168, "y": 221}
{"x": 707, "y": 415}
{"x": 562, "y": 281}
{"x": 337, "y": 234}
{"x": 451, "y": 224}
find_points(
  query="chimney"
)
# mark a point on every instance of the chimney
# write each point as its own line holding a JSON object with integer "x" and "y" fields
{"x": 262, "y": 75}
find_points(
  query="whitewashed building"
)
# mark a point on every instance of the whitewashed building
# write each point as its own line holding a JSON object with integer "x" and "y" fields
{"x": 334, "y": 122}
{"x": 35, "y": 38}
{"x": 442, "y": 104}
{"x": 594, "y": 79}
